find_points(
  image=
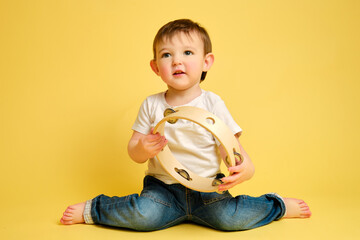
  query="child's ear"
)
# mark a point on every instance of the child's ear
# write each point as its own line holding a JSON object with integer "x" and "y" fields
{"x": 208, "y": 62}
{"x": 154, "y": 67}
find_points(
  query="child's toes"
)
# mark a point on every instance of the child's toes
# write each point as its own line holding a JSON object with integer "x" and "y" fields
{"x": 69, "y": 210}
{"x": 65, "y": 222}
{"x": 68, "y": 214}
{"x": 67, "y": 218}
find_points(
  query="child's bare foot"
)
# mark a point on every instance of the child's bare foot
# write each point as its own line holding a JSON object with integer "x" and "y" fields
{"x": 73, "y": 214}
{"x": 296, "y": 208}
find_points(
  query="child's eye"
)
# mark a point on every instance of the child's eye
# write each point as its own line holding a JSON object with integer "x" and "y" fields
{"x": 188, "y": 53}
{"x": 165, "y": 55}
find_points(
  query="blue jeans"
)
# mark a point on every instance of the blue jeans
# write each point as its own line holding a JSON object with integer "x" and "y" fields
{"x": 160, "y": 206}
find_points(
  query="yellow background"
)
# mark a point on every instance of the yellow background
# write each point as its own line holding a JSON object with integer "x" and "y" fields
{"x": 74, "y": 73}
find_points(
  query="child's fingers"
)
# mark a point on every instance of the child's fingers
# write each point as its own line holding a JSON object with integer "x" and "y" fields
{"x": 159, "y": 145}
{"x": 232, "y": 178}
{"x": 153, "y": 137}
{"x": 150, "y": 142}
{"x": 152, "y": 131}
{"x": 236, "y": 169}
{"x": 231, "y": 181}
{"x": 226, "y": 186}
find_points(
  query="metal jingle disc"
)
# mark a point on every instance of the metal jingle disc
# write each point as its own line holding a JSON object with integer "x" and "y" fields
{"x": 167, "y": 112}
{"x": 238, "y": 157}
{"x": 217, "y": 181}
{"x": 183, "y": 173}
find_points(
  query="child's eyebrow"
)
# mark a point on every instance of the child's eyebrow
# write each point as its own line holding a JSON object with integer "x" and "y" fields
{"x": 184, "y": 47}
{"x": 190, "y": 47}
{"x": 163, "y": 49}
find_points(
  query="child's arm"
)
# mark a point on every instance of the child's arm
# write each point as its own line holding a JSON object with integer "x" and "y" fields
{"x": 141, "y": 147}
{"x": 239, "y": 173}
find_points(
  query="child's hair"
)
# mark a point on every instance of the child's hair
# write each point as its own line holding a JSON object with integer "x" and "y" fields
{"x": 186, "y": 26}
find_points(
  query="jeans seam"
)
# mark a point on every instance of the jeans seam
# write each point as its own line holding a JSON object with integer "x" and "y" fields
{"x": 213, "y": 200}
{"x": 170, "y": 223}
{"x": 156, "y": 199}
{"x": 208, "y": 224}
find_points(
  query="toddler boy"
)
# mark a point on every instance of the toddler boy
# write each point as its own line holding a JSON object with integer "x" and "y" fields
{"x": 182, "y": 57}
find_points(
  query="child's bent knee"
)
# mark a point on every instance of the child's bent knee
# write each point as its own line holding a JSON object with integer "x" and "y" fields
{"x": 149, "y": 220}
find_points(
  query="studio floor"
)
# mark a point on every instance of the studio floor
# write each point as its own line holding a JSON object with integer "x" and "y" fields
{"x": 333, "y": 218}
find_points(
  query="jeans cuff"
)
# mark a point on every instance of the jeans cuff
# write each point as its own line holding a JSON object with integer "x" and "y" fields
{"x": 87, "y": 212}
{"x": 283, "y": 206}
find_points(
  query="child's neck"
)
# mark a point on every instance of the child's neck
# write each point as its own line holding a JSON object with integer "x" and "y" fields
{"x": 178, "y": 98}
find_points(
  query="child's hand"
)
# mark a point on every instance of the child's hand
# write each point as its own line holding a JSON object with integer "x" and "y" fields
{"x": 152, "y": 144}
{"x": 241, "y": 172}
{"x": 236, "y": 177}
{"x": 141, "y": 147}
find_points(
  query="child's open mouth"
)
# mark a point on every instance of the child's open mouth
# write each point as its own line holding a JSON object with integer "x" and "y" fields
{"x": 178, "y": 73}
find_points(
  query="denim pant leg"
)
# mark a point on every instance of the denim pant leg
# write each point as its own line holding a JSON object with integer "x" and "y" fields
{"x": 154, "y": 209}
{"x": 224, "y": 212}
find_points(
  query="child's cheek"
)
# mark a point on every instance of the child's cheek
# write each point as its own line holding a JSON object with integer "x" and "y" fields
{"x": 191, "y": 66}
{"x": 164, "y": 70}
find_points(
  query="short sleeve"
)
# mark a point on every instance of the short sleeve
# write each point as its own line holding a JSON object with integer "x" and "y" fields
{"x": 221, "y": 111}
{"x": 142, "y": 123}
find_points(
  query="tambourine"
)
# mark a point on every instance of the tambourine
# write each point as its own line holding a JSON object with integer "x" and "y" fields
{"x": 212, "y": 124}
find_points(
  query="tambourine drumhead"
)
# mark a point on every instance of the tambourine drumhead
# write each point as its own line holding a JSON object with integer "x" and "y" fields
{"x": 212, "y": 124}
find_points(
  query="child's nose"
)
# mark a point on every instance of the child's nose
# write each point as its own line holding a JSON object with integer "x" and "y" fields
{"x": 176, "y": 61}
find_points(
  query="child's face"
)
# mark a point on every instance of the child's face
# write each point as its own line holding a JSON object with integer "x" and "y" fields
{"x": 181, "y": 60}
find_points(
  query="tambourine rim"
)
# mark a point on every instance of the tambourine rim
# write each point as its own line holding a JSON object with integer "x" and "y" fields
{"x": 213, "y": 128}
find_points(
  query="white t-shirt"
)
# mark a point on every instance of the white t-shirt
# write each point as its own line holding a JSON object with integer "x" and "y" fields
{"x": 192, "y": 145}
